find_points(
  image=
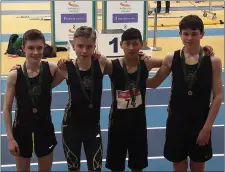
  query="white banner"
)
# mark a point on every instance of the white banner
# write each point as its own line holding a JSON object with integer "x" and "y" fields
{"x": 126, "y": 14}
{"x": 69, "y": 15}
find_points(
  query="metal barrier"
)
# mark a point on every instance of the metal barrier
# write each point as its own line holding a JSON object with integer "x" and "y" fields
{"x": 210, "y": 5}
{"x": 214, "y": 17}
{"x": 206, "y": 12}
{"x": 155, "y": 48}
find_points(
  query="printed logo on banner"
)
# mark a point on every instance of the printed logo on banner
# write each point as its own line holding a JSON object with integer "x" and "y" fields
{"x": 125, "y": 18}
{"x": 74, "y": 18}
{"x": 73, "y": 7}
{"x": 125, "y": 6}
{"x": 71, "y": 32}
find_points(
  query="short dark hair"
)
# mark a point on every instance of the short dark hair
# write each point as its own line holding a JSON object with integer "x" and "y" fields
{"x": 131, "y": 34}
{"x": 33, "y": 34}
{"x": 192, "y": 22}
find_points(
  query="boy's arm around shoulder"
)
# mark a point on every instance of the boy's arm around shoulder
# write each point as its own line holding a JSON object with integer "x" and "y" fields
{"x": 162, "y": 73}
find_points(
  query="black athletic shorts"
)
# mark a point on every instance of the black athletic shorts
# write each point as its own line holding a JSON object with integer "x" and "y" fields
{"x": 181, "y": 143}
{"x": 92, "y": 141}
{"x": 121, "y": 141}
{"x": 39, "y": 140}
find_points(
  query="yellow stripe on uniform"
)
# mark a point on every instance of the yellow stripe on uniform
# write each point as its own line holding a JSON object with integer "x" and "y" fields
{"x": 33, "y": 141}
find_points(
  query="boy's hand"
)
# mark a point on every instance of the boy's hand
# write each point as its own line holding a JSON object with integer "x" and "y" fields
{"x": 208, "y": 50}
{"x": 62, "y": 64}
{"x": 17, "y": 66}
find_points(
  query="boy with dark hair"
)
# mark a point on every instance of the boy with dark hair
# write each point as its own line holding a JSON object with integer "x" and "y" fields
{"x": 190, "y": 115}
{"x": 127, "y": 123}
{"x": 31, "y": 85}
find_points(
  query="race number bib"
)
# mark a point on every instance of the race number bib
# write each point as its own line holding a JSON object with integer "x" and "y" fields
{"x": 124, "y": 100}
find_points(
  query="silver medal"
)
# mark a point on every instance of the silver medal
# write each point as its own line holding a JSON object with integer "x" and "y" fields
{"x": 190, "y": 93}
{"x": 34, "y": 110}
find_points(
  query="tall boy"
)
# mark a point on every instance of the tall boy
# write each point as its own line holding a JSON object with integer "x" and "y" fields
{"x": 190, "y": 115}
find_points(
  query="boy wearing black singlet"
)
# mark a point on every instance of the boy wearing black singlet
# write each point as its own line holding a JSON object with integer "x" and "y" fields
{"x": 83, "y": 114}
{"x": 127, "y": 121}
{"x": 81, "y": 122}
{"x": 131, "y": 44}
{"x": 31, "y": 85}
{"x": 190, "y": 115}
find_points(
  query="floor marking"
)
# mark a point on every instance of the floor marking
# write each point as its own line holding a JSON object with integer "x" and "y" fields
{"x": 84, "y": 161}
{"x": 148, "y": 128}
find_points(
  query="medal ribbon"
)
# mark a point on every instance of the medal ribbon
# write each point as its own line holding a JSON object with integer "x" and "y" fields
{"x": 35, "y": 98}
{"x": 81, "y": 83}
{"x": 133, "y": 97}
{"x": 193, "y": 78}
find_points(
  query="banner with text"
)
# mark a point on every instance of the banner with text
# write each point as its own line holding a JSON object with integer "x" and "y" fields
{"x": 67, "y": 16}
{"x": 126, "y": 14}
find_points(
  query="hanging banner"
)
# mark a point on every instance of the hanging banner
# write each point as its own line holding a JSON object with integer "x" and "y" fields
{"x": 126, "y": 14}
{"x": 67, "y": 16}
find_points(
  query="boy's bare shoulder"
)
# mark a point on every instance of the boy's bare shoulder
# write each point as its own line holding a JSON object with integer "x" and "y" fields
{"x": 12, "y": 77}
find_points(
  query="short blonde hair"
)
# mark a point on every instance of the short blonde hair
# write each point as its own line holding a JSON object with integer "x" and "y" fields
{"x": 86, "y": 32}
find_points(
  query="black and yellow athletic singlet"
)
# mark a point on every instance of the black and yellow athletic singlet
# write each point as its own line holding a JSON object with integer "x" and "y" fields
{"x": 81, "y": 123}
{"x": 78, "y": 112}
